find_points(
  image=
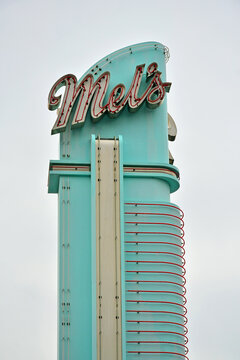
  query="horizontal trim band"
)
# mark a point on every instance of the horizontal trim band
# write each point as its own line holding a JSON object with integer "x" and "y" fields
{"x": 70, "y": 167}
{"x": 146, "y": 169}
{"x": 137, "y": 169}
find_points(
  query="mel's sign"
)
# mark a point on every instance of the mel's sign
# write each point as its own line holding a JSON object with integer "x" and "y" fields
{"x": 77, "y": 97}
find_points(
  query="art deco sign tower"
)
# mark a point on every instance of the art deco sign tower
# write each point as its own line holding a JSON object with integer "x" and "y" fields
{"x": 121, "y": 248}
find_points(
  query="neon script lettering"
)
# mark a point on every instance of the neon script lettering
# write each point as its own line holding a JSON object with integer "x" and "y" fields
{"x": 79, "y": 97}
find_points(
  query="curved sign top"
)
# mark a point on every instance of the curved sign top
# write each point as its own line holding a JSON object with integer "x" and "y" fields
{"x": 117, "y": 85}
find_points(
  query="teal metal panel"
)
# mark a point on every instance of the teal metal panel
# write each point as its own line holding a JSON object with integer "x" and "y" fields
{"x": 155, "y": 283}
{"x": 75, "y": 283}
{"x": 93, "y": 247}
{"x": 143, "y": 186}
{"x": 123, "y": 274}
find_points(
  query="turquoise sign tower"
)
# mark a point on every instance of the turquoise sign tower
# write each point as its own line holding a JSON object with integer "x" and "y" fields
{"x": 121, "y": 284}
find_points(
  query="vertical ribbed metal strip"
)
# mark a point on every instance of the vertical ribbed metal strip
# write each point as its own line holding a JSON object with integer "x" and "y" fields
{"x": 155, "y": 283}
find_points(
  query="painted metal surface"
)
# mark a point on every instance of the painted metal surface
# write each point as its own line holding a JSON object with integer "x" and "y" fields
{"x": 108, "y": 251}
{"x": 155, "y": 282}
{"x": 150, "y": 145}
{"x": 75, "y": 338}
{"x": 145, "y": 268}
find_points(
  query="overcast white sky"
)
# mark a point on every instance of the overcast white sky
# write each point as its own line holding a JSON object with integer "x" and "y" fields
{"x": 43, "y": 40}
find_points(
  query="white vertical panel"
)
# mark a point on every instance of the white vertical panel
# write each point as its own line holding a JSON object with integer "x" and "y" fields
{"x": 108, "y": 250}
